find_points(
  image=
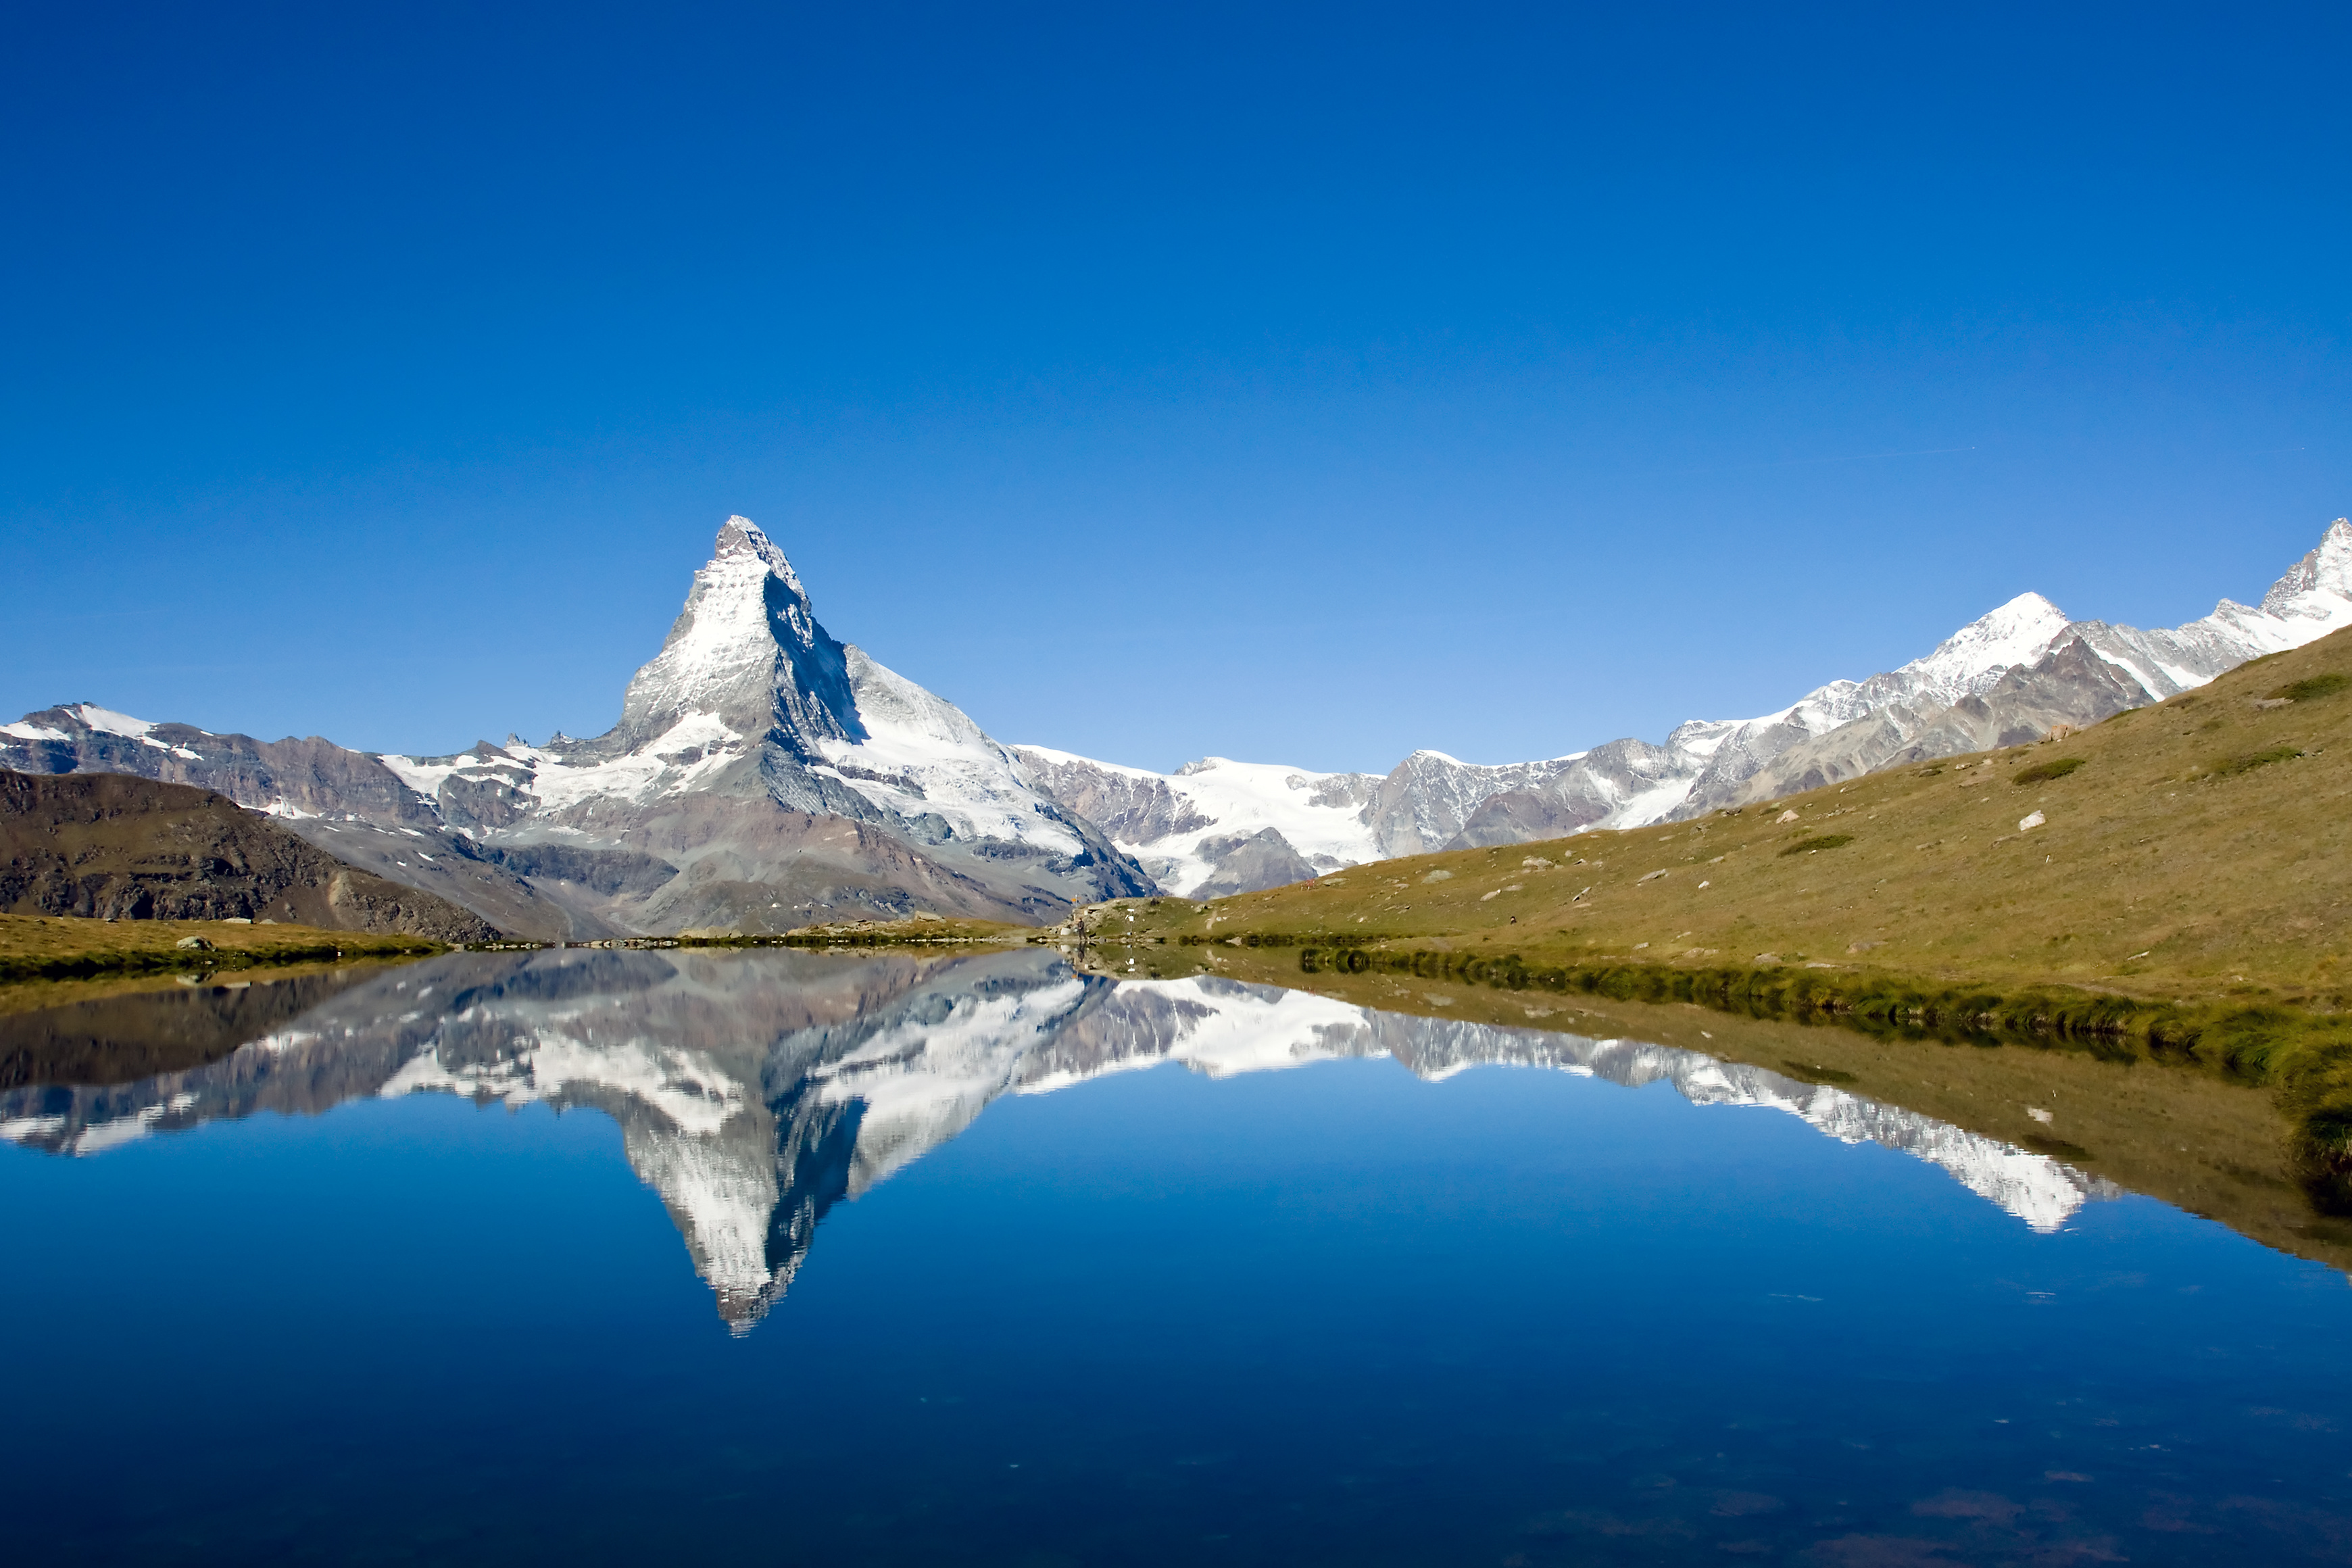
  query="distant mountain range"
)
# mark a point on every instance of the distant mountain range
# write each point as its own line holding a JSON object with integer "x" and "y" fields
{"x": 1216, "y": 826}
{"x": 763, "y": 775}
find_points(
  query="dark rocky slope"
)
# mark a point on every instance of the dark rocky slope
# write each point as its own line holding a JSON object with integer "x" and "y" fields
{"x": 113, "y": 845}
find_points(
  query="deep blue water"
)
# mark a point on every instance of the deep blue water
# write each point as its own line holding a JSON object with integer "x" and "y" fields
{"x": 1131, "y": 1313}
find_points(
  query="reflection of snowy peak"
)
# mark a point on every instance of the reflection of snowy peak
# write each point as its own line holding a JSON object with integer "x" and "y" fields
{"x": 2011, "y": 675}
{"x": 755, "y": 1092}
{"x": 762, "y": 776}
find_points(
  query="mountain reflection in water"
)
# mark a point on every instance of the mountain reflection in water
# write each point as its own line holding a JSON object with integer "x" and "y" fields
{"x": 755, "y": 1091}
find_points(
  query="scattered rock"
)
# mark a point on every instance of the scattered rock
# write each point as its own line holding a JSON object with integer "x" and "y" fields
{"x": 1863, "y": 946}
{"x": 1536, "y": 863}
{"x": 1765, "y": 958}
{"x": 1788, "y": 816}
{"x": 1439, "y": 877}
{"x": 2027, "y": 823}
{"x": 1651, "y": 878}
{"x": 194, "y": 944}
{"x": 2038, "y": 1114}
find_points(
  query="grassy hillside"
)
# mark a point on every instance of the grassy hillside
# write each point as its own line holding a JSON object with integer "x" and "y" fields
{"x": 2196, "y": 848}
{"x": 2177, "y": 876}
{"x": 58, "y": 947}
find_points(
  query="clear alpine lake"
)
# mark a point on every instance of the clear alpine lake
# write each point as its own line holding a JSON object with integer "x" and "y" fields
{"x": 1016, "y": 1264}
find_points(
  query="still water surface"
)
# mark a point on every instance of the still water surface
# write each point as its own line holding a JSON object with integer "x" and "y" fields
{"x": 1011, "y": 1265}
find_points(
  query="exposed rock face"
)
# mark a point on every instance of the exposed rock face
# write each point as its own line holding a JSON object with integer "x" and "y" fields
{"x": 1246, "y": 863}
{"x": 2071, "y": 685}
{"x": 762, "y": 775}
{"x": 111, "y": 846}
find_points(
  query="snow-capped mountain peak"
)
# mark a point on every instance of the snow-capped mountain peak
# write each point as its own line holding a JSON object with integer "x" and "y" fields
{"x": 748, "y": 648}
{"x": 2318, "y": 587}
{"x": 2019, "y": 632}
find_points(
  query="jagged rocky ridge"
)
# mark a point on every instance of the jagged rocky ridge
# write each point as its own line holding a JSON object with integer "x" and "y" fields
{"x": 762, "y": 775}
{"x": 755, "y": 1092}
{"x": 1218, "y": 826}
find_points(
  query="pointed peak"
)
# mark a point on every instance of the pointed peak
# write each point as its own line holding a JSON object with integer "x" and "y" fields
{"x": 741, "y": 539}
{"x": 2320, "y": 577}
{"x": 2025, "y": 619}
{"x": 2015, "y": 633}
{"x": 739, "y": 535}
{"x": 2026, "y": 607}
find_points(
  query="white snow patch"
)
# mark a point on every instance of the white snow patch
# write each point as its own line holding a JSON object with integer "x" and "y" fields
{"x": 108, "y": 721}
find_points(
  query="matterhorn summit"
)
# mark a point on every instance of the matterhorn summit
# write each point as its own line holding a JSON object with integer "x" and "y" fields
{"x": 745, "y": 651}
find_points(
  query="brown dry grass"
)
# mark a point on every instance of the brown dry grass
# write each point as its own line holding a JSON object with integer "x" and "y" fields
{"x": 36, "y": 947}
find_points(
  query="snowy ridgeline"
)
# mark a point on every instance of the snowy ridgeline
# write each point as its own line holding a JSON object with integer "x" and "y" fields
{"x": 754, "y": 1095}
{"x": 763, "y": 774}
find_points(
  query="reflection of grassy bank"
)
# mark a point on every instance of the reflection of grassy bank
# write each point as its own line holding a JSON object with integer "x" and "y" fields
{"x": 65, "y": 947}
{"x": 119, "y": 1030}
{"x": 2304, "y": 1057}
{"x": 2203, "y": 1141}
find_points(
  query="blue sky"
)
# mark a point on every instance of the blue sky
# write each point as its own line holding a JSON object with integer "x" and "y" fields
{"x": 1284, "y": 383}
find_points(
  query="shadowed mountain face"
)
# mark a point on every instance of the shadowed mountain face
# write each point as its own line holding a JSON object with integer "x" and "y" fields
{"x": 114, "y": 847}
{"x": 755, "y": 1091}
